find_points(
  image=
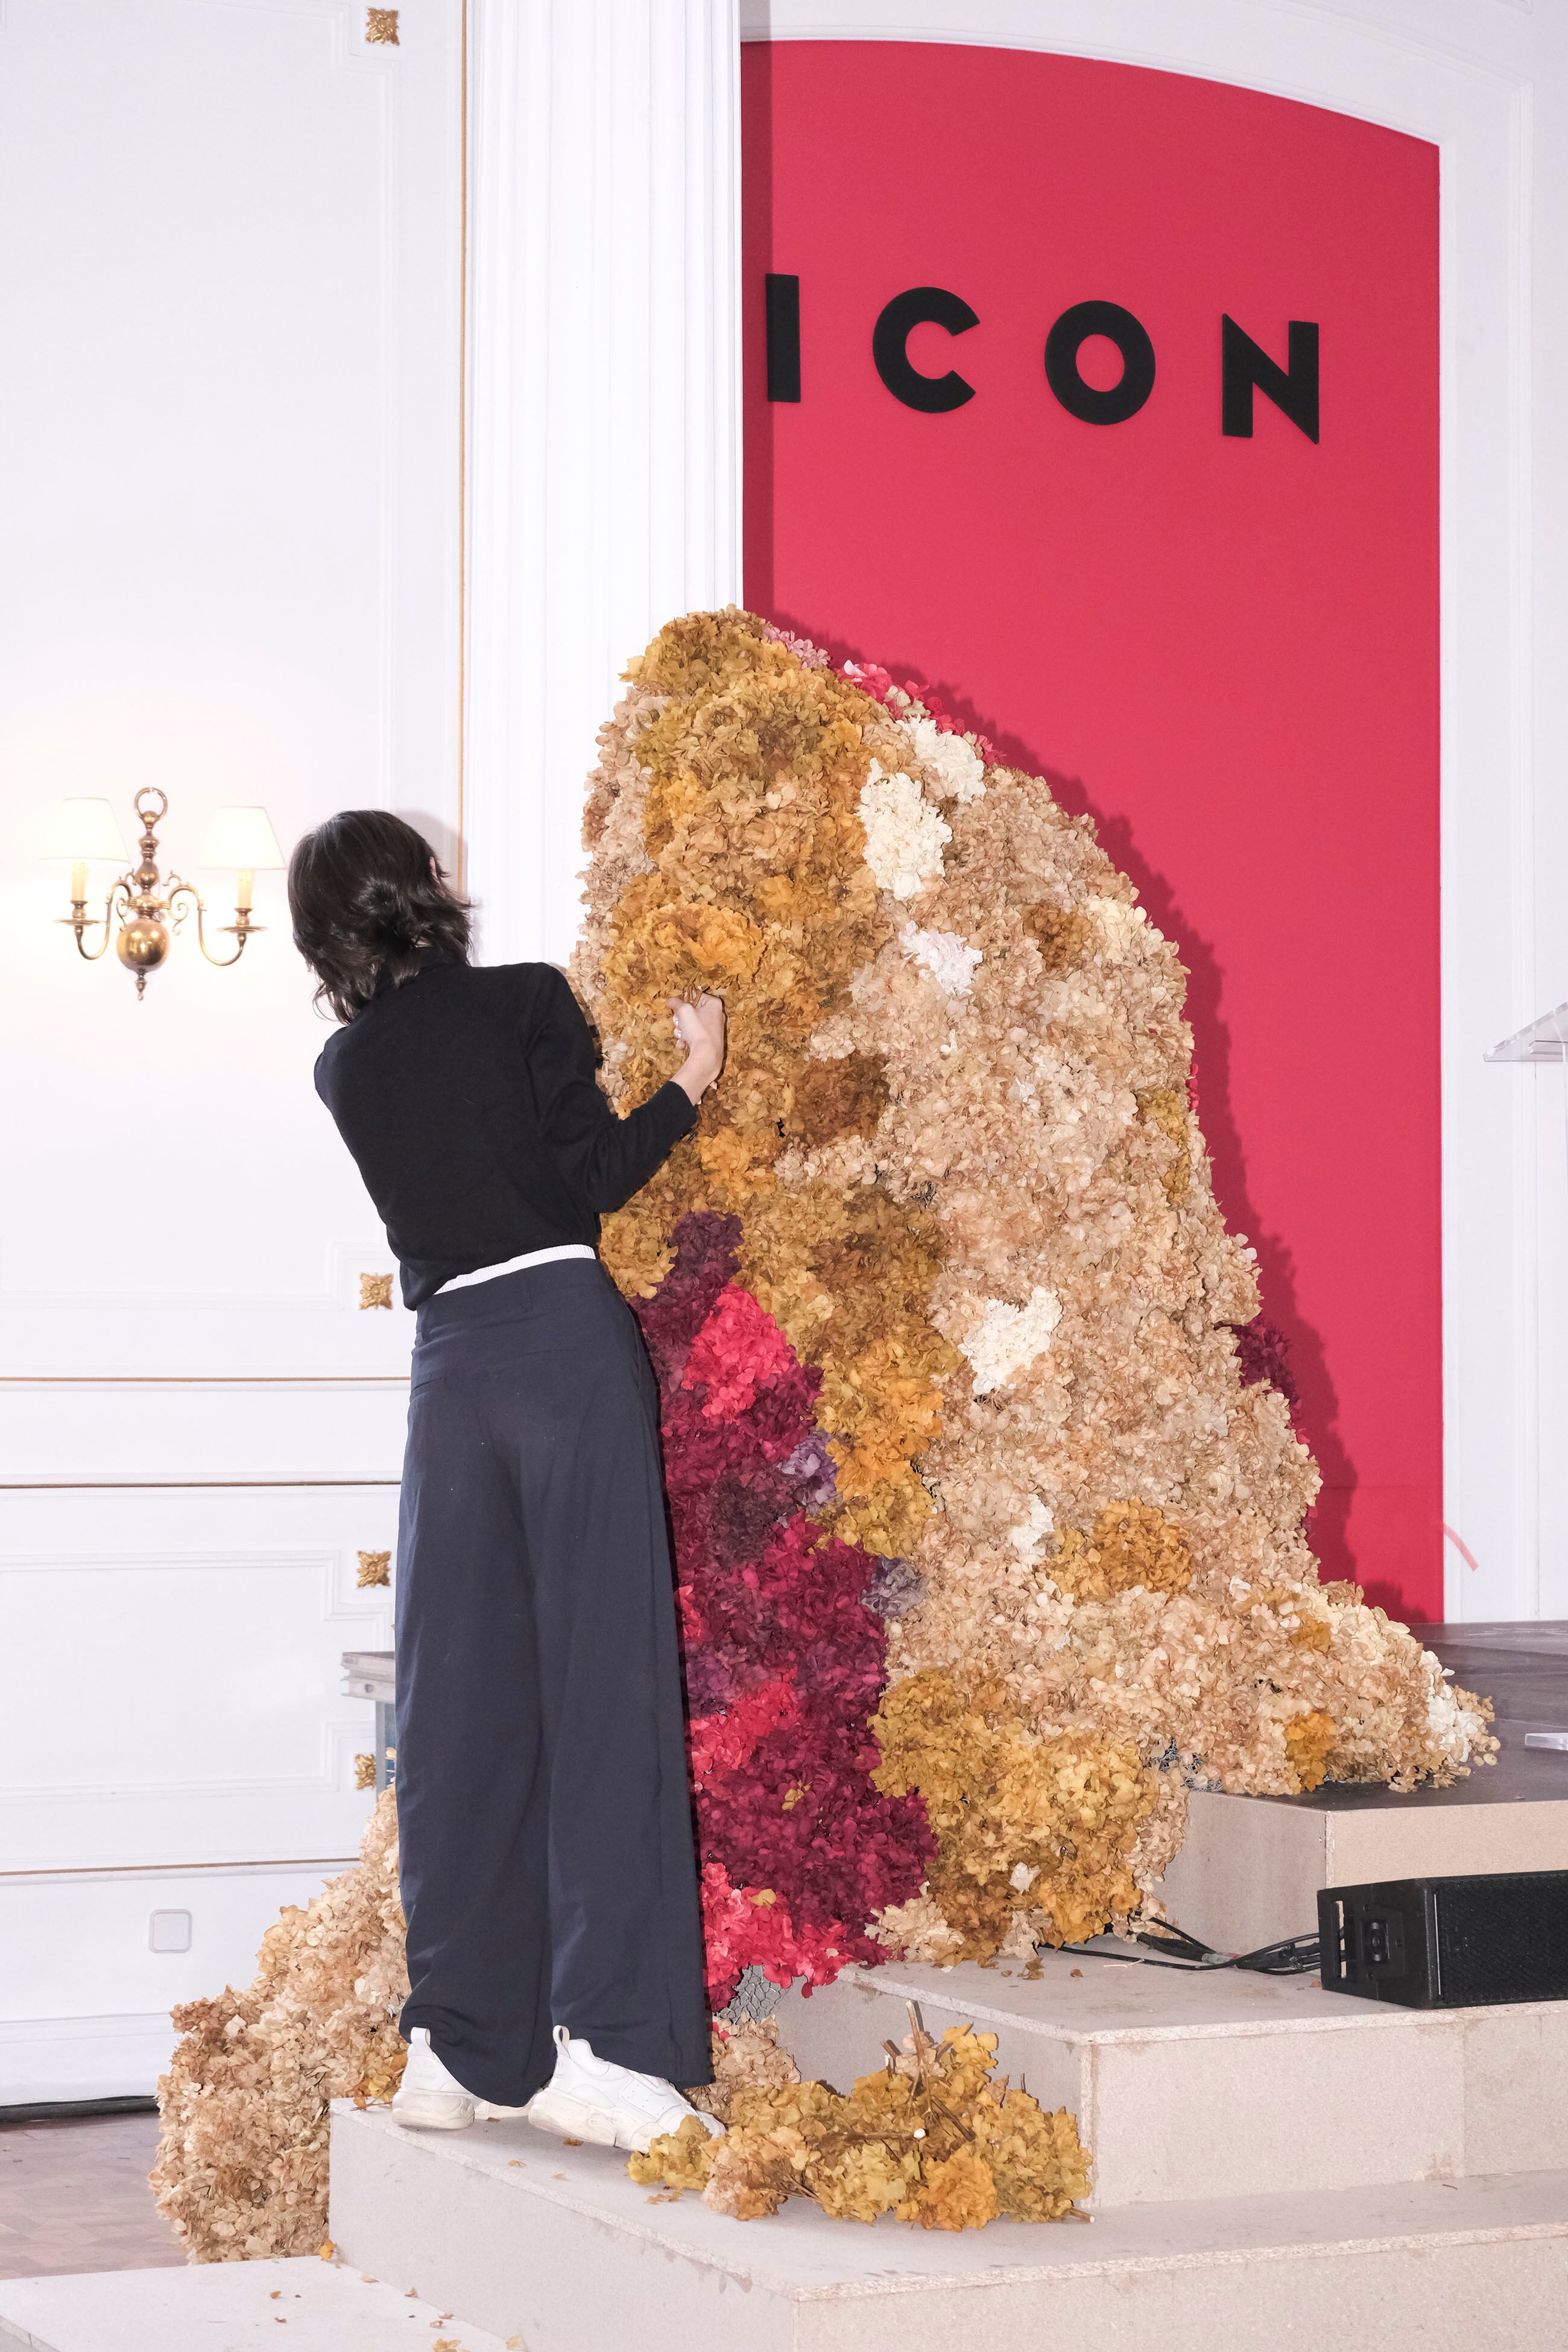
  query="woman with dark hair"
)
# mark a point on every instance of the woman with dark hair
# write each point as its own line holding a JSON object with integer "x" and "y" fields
{"x": 548, "y": 1874}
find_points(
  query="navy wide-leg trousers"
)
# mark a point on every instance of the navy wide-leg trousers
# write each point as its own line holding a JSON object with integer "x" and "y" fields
{"x": 548, "y": 1867}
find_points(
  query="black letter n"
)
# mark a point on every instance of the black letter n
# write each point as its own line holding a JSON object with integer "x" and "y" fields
{"x": 1243, "y": 364}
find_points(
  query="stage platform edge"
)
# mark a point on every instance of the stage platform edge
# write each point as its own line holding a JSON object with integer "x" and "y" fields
{"x": 554, "y": 2247}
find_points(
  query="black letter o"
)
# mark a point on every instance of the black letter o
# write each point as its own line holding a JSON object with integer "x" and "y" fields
{"x": 1080, "y": 399}
{"x": 891, "y": 332}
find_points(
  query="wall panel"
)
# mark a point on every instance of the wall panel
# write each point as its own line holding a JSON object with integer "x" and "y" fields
{"x": 228, "y": 460}
{"x": 86, "y": 2000}
{"x": 231, "y": 426}
{"x": 180, "y": 1699}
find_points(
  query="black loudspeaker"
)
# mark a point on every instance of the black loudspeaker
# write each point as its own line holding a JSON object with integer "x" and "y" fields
{"x": 1447, "y": 1943}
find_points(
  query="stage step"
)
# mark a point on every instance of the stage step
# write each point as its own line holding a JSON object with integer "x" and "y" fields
{"x": 1225, "y": 2084}
{"x": 552, "y": 2247}
{"x": 1250, "y": 1867}
{"x": 229, "y": 2308}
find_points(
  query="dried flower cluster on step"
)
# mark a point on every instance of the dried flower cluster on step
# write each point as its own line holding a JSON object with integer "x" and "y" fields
{"x": 931, "y": 2137}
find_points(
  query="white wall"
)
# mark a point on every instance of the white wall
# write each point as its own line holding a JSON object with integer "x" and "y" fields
{"x": 605, "y": 470}
{"x": 229, "y": 466}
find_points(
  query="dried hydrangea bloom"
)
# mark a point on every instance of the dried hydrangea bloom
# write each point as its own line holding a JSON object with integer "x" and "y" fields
{"x": 242, "y": 2160}
{"x": 904, "y": 834}
{"x": 931, "y": 2137}
{"x": 950, "y": 961}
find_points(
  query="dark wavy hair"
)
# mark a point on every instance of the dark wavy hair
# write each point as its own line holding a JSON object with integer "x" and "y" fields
{"x": 366, "y": 893}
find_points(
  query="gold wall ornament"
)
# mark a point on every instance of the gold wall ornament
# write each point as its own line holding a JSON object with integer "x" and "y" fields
{"x": 381, "y": 25}
{"x": 364, "y": 1771}
{"x": 374, "y": 1290}
{"x": 152, "y": 908}
{"x": 374, "y": 1567}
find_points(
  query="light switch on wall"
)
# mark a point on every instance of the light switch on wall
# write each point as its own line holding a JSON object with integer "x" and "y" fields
{"x": 169, "y": 1931}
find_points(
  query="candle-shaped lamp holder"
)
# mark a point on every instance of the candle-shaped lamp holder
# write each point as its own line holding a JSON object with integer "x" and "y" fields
{"x": 152, "y": 908}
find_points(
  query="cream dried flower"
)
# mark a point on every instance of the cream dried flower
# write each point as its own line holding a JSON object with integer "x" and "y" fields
{"x": 904, "y": 835}
{"x": 944, "y": 954}
{"x": 1028, "y": 1537}
{"x": 1125, "y": 930}
{"x": 916, "y": 1930}
{"x": 955, "y": 767}
{"x": 1009, "y": 1337}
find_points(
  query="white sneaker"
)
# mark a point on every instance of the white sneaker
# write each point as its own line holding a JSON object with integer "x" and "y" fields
{"x": 588, "y": 2098}
{"x": 430, "y": 2099}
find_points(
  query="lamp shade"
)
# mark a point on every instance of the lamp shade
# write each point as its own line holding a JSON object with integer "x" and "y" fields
{"x": 87, "y": 833}
{"x": 242, "y": 838}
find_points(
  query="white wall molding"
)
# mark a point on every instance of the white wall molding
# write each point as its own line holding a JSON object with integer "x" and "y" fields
{"x": 1297, "y": 49}
{"x": 603, "y": 469}
{"x": 1488, "y": 84}
{"x": 258, "y": 1431}
{"x": 70, "y": 2028}
{"x": 159, "y": 1873}
{"x": 338, "y": 1264}
{"x": 334, "y": 1774}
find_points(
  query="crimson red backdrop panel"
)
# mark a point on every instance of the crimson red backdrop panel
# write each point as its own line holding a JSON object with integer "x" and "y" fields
{"x": 1225, "y": 648}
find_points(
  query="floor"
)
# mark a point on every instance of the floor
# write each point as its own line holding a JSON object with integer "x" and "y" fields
{"x": 74, "y": 2197}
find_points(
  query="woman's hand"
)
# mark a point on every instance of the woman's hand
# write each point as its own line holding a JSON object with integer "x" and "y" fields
{"x": 701, "y": 1029}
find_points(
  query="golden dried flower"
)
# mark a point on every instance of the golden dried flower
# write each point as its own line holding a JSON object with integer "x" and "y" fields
{"x": 1132, "y": 1544}
{"x": 931, "y": 2137}
{"x": 1308, "y": 1740}
{"x": 1060, "y": 933}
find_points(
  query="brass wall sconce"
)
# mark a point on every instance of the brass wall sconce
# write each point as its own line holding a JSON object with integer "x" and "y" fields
{"x": 151, "y": 907}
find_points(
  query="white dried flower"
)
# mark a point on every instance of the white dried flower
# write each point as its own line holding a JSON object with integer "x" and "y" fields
{"x": 1007, "y": 1337}
{"x": 951, "y": 964}
{"x": 1028, "y": 1537}
{"x": 904, "y": 835}
{"x": 951, "y": 762}
{"x": 1124, "y": 931}
{"x": 1454, "y": 1729}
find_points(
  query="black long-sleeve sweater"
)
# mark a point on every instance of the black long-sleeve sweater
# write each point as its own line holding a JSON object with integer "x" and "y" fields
{"x": 466, "y": 1094}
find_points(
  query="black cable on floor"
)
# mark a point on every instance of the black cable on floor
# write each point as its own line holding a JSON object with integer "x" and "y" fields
{"x": 1291, "y": 1957}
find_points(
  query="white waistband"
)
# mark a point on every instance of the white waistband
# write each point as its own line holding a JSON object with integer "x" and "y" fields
{"x": 514, "y": 1265}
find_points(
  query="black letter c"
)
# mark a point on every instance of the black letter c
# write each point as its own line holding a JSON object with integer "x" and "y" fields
{"x": 1080, "y": 399}
{"x": 891, "y": 332}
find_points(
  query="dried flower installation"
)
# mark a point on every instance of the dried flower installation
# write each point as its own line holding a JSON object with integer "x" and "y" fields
{"x": 931, "y": 2137}
{"x": 986, "y": 1499}
{"x": 965, "y": 1204}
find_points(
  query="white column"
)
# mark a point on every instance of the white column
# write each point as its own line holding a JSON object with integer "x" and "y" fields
{"x": 605, "y": 371}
